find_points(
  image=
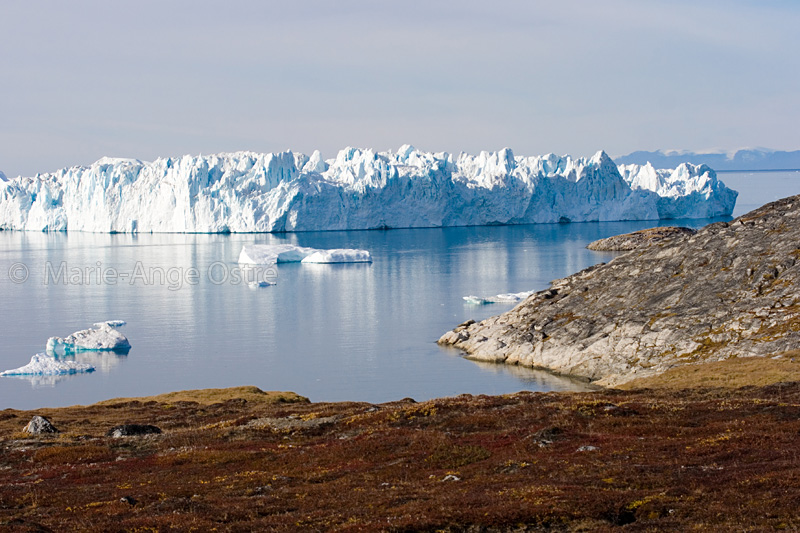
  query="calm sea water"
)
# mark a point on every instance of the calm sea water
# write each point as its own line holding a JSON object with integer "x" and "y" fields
{"x": 329, "y": 332}
{"x": 758, "y": 188}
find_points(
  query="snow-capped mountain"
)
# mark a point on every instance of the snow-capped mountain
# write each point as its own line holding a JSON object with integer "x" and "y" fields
{"x": 359, "y": 189}
{"x": 744, "y": 159}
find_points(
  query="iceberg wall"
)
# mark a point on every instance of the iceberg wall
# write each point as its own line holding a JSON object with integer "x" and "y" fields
{"x": 359, "y": 189}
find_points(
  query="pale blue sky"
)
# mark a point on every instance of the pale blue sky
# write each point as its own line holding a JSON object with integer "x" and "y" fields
{"x": 84, "y": 79}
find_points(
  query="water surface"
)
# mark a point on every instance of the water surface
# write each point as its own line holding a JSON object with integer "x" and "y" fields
{"x": 330, "y": 332}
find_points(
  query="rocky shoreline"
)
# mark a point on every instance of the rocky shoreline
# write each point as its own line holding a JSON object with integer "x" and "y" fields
{"x": 729, "y": 290}
{"x": 638, "y": 239}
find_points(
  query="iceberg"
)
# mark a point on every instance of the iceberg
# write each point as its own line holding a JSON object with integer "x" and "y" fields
{"x": 505, "y": 298}
{"x": 271, "y": 254}
{"x": 260, "y": 284}
{"x": 110, "y": 323}
{"x": 358, "y": 189}
{"x": 101, "y": 337}
{"x": 45, "y": 365}
{"x": 688, "y": 191}
{"x": 339, "y": 255}
{"x": 46, "y": 369}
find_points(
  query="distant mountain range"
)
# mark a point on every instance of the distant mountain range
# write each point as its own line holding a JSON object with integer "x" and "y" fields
{"x": 745, "y": 159}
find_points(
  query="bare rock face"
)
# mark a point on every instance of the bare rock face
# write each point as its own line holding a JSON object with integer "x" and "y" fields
{"x": 39, "y": 425}
{"x": 639, "y": 239}
{"x": 730, "y": 290}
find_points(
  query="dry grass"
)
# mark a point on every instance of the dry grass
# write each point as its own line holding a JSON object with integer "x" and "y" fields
{"x": 210, "y": 396}
{"x": 731, "y": 373}
{"x": 641, "y": 460}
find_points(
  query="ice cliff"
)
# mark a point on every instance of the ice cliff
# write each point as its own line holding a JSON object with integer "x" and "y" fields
{"x": 359, "y": 189}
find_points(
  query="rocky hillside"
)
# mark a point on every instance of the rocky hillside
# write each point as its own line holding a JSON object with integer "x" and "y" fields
{"x": 730, "y": 290}
{"x": 638, "y": 239}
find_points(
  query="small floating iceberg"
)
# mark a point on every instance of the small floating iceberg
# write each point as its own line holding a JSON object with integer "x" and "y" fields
{"x": 505, "y": 298}
{"x": 46, "y": 369}
{"x": 339, "y": 255}
{"x": 102, "y": 337}
{"x": 110, "y": 323}
{"x": 45, "y": 365}
{"x": 260, "y": 284}
{"x": 271, "y": 254}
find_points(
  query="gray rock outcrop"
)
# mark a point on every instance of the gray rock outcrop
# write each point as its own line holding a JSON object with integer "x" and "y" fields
{"x": 730, "y": 290}
{"x": 639, "y": 239}
{"x": 39, "y": 425}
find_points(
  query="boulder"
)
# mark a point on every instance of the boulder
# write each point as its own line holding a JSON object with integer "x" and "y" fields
{"x": 39, "y": 425}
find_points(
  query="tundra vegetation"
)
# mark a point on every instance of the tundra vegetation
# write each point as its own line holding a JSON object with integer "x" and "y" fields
{"x": 242, "y": 460}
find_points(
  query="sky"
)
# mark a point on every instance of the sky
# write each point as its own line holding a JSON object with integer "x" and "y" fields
{"x": 145, "y": 79}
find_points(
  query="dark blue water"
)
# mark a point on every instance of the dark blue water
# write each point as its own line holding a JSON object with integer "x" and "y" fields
{"x": 329, "y": 332}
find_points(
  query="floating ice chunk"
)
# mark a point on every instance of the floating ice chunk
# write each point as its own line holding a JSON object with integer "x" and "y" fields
{"x": 110, "y": 323}
{"x": 102, "y": 337}
{"x": 45, "y": 365}
{"x": 505, "y": 298}
{"x": 339, "y": 255}
{"x": 260, "y": 284}
{"x": 270, "y": 254}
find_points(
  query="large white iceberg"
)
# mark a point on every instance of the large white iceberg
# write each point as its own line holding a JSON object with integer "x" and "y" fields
{"x": 102, "y": 337}
{"x": 359, "y": 189}
{"x": 45, "y": 365}
{"x": 688, "y": 191}
{"x": 339, "y": 255}
{"x": 271, "y": 254}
